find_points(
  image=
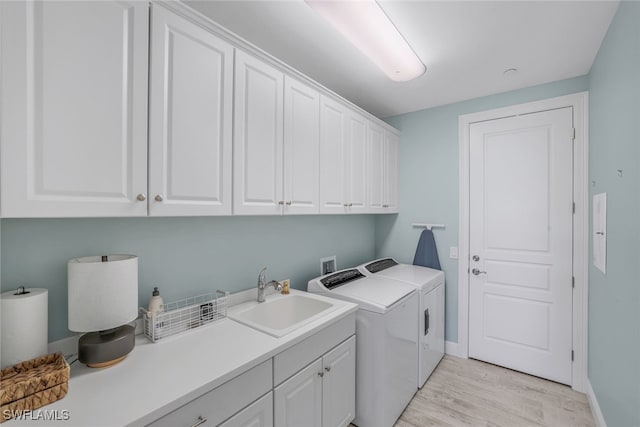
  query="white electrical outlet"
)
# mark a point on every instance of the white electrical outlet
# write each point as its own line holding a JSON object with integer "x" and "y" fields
{"x": 328, "y": 265}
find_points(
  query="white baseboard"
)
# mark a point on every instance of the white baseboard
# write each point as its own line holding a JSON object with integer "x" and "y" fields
{"x": 595, "y": 407}
{"x": 452, "y": 348}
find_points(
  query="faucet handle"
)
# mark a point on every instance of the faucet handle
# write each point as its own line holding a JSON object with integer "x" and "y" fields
{"x": 261, "y": 276}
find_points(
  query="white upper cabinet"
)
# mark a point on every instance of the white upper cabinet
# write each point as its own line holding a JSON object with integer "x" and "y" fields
{"x": 376, "y": 167}
{"x": 343, "y": 159}
{"x": 392, "y": 151}
{"x": 258, "y": 137}
{"x": 356, "y": 192}
{"x": 74, "y": 105}
{"x": 301, "y": 148}
{"x": 190, "y": 118}
{"x": 333, "y": 156}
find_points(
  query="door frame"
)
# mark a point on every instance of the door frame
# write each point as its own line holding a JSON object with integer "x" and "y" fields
{"x": 579, "y": 102}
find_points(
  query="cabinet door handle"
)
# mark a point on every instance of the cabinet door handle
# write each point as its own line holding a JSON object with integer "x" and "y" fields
{"x": 350, "y": 204}
{"x": 281, "y": 202}
{"x": 385, "y": 206}
{"x": 141, "y": 197}
{"x": 327, "y": 368}
{"x": 345, "y": 205}
{"x": 289, "y": 203}
{"x": 321, "y": 374}
{"x": 201, "y": 420}
{"x": 158, "y": 198}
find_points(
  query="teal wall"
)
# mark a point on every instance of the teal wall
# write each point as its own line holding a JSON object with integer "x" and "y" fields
{"x": 182, "y": 256}
{"x": 614, "y": 298}
{"x": 429, "y": 180}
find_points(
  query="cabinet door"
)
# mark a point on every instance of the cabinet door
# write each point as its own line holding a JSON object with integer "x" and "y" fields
{"x": 190, "y": 118}
{"x": 339, "y": 385}
{"x": 392, "y": 147}
{"x": 298, "y": 401}
{"x": 258, "y": 414}
{"x": 375, "y": 167}
{"x": 357, "y": 163}
{"x": 333, "y": 151}
{"x": 74, "y": 105}
{"x": 301, "y": 148}
{"x": 257, "y": 143}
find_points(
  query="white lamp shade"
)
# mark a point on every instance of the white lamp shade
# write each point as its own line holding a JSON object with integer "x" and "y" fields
{"x": 102, "y": 295}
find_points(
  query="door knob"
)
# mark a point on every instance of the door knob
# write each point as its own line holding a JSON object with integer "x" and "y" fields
{"x": 476, "y": 272}
{"x": 476, "y": 258}
{"x": 321, "y": 374}
{"x": 327, "y": 368}
{"x": 141, "y": 197}
{"x": 158, "y": 198}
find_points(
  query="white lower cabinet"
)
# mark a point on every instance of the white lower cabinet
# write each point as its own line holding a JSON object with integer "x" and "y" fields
{"x": 217, "y": 405}
{"x": 258, "y": 414}
{"x": 322, "y": 394}
{"x": 298, "y": 401}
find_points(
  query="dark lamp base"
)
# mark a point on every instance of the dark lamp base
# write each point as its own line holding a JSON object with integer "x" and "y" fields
{"x": 106, "y": 348}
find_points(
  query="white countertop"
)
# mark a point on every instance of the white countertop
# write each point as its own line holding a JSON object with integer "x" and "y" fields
{"x": 157, "y": 378}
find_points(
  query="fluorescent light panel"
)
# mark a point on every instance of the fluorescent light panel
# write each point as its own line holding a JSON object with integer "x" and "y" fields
{"x": 366, "y": 25}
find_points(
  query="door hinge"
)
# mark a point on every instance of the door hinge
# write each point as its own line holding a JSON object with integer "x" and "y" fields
{"x": 573, "y": 281}
{"x": 572, "y": 355}
{"x": 573, "y": 134}
{"x": 574, "y": 207}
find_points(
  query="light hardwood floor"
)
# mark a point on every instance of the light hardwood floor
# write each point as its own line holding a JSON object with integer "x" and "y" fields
{"x": 465, "y": 392}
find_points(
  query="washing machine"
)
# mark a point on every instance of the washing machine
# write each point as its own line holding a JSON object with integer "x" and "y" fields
{"x": 386, "y": 342}
{"x": 430, "y": 285}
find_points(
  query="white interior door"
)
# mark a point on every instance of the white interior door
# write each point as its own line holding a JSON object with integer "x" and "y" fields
{"x": 520, "y": 244}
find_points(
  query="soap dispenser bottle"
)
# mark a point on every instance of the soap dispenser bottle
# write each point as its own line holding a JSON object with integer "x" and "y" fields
{"x": 156, "y": 304}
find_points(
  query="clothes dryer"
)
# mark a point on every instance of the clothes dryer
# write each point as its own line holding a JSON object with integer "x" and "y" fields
{"x": 430, "y": 285}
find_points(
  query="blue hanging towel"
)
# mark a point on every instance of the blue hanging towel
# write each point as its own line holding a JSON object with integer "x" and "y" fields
{"x": 426, "y": 252}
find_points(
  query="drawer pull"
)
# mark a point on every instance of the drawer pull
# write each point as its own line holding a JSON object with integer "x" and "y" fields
{"x": 321, "y": 374}
{"x": 327, "y": 368}
{"x": 201, "y": 420}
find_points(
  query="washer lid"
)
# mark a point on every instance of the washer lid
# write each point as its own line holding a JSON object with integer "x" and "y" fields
{"x": 422, "y": 277}
{"x": 376, "y": 294}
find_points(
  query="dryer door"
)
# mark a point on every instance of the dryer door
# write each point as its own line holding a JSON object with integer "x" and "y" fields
{"x": 431, "y": 332}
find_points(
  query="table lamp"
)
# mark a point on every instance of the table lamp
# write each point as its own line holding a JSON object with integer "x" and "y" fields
{"x": 103, "y": 301}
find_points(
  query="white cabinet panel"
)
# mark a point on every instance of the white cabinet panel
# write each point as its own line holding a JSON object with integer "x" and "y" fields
{"x": 333, "y": 152}
{"x": 222, "y": 402}
{"x": 357, "y": 163}
{"x": 376, "y": 166}
{"x": 74, "y": 102}
{"x": 258, "y": 137}
{"x": 339, "y": 385}
{"x": 258, "y": 414}
{"x": 298, "y": 401}
{"x": 392, "y": 148}
{"x": 190, "y": 118}
{"x": 301, "y": 148}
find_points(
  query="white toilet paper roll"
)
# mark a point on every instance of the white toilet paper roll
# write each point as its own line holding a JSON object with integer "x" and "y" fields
{"x": 24, "y": 325}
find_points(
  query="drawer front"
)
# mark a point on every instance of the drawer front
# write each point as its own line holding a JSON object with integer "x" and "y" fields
{"x": 222, "y": 402}
{"x": 300, "y": 355}
{"x": 258, "y": 414}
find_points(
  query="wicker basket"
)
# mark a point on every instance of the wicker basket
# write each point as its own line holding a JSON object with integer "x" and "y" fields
{"x": 33, "y": 384}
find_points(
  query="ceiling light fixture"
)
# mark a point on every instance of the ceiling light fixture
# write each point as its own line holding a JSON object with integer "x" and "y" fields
{"x": 366, "y": 25}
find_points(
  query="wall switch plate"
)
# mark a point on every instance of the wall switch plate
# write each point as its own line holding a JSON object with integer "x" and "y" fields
{"x": 453, "y": 252}
{"x": 328, "y": 265}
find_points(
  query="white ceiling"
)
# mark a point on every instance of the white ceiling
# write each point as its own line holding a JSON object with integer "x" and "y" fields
{"x": 466, "y": 46}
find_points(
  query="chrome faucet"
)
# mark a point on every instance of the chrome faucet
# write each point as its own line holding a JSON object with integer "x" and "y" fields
{"x": 262, "y": 285}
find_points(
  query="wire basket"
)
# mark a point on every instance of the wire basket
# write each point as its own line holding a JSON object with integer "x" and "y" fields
{"x": 180, "y": 316}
